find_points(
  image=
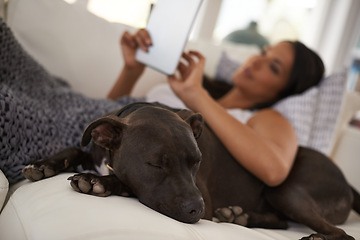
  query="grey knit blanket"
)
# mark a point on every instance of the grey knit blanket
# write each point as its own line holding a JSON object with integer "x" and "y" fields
{"x": 40, "y": 113}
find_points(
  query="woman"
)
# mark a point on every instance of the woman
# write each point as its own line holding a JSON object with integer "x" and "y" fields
{"x": 266, "y": 143}
{"x": 41, "y": 114}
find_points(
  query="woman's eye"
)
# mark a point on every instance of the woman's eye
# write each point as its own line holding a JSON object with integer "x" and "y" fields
{"x": 274, "y": 68}
{"x": 263, "y": 52}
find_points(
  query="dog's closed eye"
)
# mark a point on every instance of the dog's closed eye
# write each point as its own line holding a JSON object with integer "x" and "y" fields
{"x": 155, "y": 165}
{"x": 160, "y": 163}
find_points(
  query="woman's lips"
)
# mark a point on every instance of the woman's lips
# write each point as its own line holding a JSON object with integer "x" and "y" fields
{"x": 247, "y": 72}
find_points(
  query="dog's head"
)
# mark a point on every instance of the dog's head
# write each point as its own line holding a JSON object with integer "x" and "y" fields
{"x": 154, "y": 152}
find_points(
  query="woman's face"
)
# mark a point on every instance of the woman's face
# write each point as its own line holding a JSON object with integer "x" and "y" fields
{"x": 263, "y": 76}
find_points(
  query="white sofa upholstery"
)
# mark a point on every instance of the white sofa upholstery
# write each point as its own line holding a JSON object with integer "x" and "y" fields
{"x": 50, "y": 209}
{"x": 83, "y": 49}
{"x": 4, "y": 188}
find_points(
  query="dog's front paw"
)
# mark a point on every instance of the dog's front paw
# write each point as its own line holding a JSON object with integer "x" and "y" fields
{"x": 318, "y": 236}
{"x": 90, "y": 184}
{"x": 33, "y": 173}
{"x": 46, "y": 168}
{"x": 38, "y": 171}
{"x": 315, "y": 237}
{"x": 232, "y": 214}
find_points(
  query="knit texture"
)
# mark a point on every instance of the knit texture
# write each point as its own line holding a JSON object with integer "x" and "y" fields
{"x": 40, "y": 113}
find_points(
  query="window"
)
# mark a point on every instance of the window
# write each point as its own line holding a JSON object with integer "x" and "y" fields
{"x": 130, "y": 12}
{"x": 276, "y": 19}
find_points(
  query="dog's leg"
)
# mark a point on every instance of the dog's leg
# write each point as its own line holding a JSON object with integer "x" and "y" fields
{"x": 300, "y": 207}
{"x": 235, "y": 214}
{"x": 66, "y": 160}
{"x": 101, "y": 186}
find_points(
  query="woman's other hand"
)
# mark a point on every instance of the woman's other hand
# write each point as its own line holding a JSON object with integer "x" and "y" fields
{"x": 187, "y": 82}
{"x": 130, "y": 43}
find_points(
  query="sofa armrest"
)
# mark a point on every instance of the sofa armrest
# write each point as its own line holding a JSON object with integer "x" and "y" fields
{"x": 4, "y": 187}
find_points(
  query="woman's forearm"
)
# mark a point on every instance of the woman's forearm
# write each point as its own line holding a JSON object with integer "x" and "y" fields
{"x": 125, "y": 82}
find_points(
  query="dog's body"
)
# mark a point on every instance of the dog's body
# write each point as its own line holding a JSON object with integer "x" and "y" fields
{"x": 152, "y": 154}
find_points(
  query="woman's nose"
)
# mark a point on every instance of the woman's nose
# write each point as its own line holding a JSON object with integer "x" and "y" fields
{"x": 258, "y": 62}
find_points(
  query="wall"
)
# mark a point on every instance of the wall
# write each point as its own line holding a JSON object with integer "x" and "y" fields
{"x": 333, "y": 32}
{"x": 336, "y": 32}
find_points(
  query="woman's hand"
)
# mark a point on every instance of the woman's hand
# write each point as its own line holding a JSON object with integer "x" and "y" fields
{"x": 132, "y": 69}
{"x": 187, "y": 83}
{"x": 130, "y": 43}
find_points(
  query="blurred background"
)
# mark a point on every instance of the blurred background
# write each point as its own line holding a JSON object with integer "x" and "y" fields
{"x": 330, "y": 27}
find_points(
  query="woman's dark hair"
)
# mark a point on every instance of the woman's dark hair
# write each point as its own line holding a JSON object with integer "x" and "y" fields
{"x": 307, "y": 71}
{"x": 217, "y": 87}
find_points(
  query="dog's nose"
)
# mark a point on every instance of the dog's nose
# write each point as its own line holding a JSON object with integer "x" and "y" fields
{"x": 193, "y": 210}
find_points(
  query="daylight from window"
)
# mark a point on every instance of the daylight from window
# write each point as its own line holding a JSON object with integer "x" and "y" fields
{"x": 275, "y": 19}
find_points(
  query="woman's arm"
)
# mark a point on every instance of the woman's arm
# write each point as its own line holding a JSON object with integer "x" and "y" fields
{"x": 132, "y": 69}
{"x": 124, "y": 83}
{"x": 265, "y": 146}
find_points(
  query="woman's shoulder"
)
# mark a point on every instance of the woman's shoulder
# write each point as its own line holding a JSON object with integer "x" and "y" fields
{"x": 268, "y": 117}
{"x": 273, "y": 126}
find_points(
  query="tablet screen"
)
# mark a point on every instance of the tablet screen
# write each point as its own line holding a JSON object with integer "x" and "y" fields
{"x": 169, "y": 27}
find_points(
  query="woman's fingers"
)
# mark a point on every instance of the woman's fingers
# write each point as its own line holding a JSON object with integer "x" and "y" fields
{"x": 140, "y": 39}
{"x": 143, "y": 39}
{"x": 193, "y": 57}
{"x": 128, "y": 39}
{"x": 198, "y": 55}
{"x": 188, "y": 58}
{"x": 183, "y": 70}
{"x": 190, "y": 67}
{"x": 145, "y": 36}
{"x": 189, "y": 62}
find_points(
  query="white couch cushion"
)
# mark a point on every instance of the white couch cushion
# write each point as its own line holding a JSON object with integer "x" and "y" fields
{"x": 51, "y": 209}
{"x": 4, "y": 187}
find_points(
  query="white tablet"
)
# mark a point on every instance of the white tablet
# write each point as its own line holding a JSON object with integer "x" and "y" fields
{"x": 169, "y": 27}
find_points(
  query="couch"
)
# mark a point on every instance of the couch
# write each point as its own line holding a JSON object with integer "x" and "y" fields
{"x": 83, "y": 49}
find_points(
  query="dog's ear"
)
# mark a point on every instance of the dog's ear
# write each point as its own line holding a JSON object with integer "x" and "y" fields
{"x": 196, "y": 121}
{"x": 105, "y": 132}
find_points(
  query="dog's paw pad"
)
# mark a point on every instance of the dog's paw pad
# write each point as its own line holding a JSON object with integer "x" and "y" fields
{"x": 242, "y": 219}
{"x": 33, "y": 173}
{"x": 98, "y": 188}
{"x": 314, "y": 237}
{"x": 89, "y": 183}
{"x": 318, "y": 236}
{"x": 224, "y": 214}
{"x": 232, "y": 214}
{"x": 38, "y": 171}
{"x": 84, "y": 185}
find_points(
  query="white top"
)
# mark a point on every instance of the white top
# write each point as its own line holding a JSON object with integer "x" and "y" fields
{"x": 162, "y": 93}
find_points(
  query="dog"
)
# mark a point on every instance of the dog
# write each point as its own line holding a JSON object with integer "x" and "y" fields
{"x": 173, "y": 163}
